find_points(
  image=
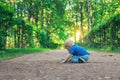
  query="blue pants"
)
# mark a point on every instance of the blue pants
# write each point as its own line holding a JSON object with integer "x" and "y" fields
{"x": 76, "y": 59}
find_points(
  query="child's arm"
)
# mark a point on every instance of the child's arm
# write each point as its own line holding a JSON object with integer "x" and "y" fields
{"x": 67, "y": 58}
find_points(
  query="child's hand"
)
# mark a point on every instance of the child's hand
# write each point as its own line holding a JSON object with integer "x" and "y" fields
{"x": 63, "y": 61}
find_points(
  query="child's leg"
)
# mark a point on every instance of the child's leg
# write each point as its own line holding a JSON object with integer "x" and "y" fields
{"x": 84, "y": 58}
{"x": 75, "y": 59}
{"x": 80, "y": 59}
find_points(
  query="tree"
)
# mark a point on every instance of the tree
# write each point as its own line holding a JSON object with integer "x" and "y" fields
{"x": 5, "y": 16}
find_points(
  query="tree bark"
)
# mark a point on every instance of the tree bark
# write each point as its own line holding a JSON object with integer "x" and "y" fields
{"x": 88, "y": 12}
{"x": 81, "y": 20}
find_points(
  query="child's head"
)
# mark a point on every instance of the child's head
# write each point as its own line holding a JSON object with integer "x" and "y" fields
{"x": 68, "y": 43}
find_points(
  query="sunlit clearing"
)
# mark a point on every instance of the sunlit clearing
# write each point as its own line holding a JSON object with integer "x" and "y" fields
{"x": 76, "y": 37}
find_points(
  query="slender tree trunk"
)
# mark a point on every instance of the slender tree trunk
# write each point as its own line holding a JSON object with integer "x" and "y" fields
{"x": 42, "y": 17}
{"x": 30, "y": 12}
{"x": 48, "y": 26}
{"x": 102, "y": 10}
{"x": 75, "y": 29}
{"x": 94, "y": 14}
{"x": 75, "y": 33}
{"x": 22, "y": 38}
{"x": 89, "y": 16}
{"x": 15, "y": 39}
{"x": 37, "y": 13}
{"x": 19, "y": 37}
{"x": 81, "y": 20}
{"x": 5, "y": 40}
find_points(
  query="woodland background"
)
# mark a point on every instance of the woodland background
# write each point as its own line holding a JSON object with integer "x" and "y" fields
{"x": 48, "y": 23}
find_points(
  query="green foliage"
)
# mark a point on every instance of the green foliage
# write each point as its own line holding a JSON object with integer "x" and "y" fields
{"x": 105, "y": 34}
{"x": 47, "y": 13}
{"x": 42, "y": 37}
{"x": 27, "y": 34}
{"x": 48, "y": 23}
{"x": 60, "y": 8}
{"x": 5, "y": 14}
{"x": 108, "y": 49}
{"x": 5, "y": 17}
{"x": 11, "y": 53}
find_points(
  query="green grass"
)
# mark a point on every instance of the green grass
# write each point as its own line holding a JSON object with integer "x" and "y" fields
{"x": 117, "y": 50}
{"x": 11, "y": 53}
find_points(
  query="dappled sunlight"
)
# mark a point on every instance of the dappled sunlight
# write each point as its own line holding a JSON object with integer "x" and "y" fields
{"x": 40, "y": 23}
{"x": 76, "y": 37}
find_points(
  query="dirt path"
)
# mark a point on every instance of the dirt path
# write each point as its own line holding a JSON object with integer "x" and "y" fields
{"x": 46, "y": 66}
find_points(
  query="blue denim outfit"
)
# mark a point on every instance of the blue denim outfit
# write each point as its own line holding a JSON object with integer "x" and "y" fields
{"x": 77, "y": 52}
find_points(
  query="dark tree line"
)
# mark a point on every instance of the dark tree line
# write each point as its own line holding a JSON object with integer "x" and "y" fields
{"x": 106, "y": 34}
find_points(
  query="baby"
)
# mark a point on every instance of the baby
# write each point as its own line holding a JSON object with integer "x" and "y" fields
{"x": 77, "y": 54}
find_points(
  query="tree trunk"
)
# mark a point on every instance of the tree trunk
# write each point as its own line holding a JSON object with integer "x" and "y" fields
{"x": 18, "y": 37}
{"x": 81, "y": 20}
{"x": 15, "y": 39}
{"x": 42, "y": 17}
{"x": 89, "y": 16}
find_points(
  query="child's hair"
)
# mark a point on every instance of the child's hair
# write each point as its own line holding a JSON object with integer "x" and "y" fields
{"x": 68, "y": 43}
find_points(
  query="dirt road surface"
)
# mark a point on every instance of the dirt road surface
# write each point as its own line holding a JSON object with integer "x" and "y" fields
{"x": 47, "y": 66}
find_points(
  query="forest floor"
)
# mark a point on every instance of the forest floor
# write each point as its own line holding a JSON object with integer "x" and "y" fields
{"x": 47, "y": 66}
